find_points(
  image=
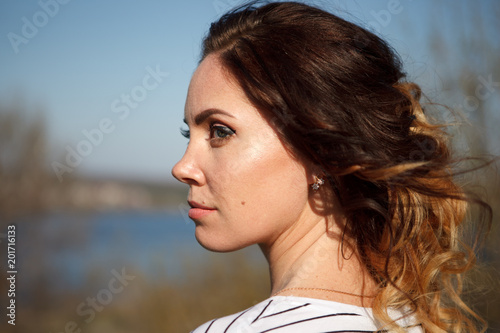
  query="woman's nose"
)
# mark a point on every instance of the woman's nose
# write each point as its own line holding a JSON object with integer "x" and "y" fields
{"x": 187, "y": 170}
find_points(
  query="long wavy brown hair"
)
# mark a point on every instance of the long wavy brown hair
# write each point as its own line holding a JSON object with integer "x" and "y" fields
{"x": 337, "y": 95}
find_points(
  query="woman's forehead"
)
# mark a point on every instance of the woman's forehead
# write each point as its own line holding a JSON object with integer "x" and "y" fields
{"x": 212, "y": 86}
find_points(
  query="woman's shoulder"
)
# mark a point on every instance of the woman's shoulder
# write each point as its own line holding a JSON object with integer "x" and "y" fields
{"x": 295, "y": 314}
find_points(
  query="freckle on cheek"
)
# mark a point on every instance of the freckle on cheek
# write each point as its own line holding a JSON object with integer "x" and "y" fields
{"x": 243, "y": 203}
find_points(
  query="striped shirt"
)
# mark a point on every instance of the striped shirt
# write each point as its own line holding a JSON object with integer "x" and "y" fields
{"x": 291, "y": 314}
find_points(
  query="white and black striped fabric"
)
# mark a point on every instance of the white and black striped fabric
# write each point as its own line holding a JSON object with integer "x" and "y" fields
{"x": 291, "y": 314}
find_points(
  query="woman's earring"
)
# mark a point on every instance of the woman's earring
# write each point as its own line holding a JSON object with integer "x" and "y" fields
{"x": 317, "y": 183}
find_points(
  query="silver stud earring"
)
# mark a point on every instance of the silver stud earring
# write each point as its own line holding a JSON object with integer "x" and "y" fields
{"x": 317, "y": 183}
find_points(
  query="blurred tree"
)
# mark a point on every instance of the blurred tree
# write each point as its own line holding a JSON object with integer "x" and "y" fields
{"x": 22, "y": 173}
{"x": 28, "y": 191}
{"x": 469, "y": 67}
{"x": 23, "y": 179}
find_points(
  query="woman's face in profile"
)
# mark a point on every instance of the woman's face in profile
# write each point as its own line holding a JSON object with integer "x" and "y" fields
{"x": 245, "y": 186}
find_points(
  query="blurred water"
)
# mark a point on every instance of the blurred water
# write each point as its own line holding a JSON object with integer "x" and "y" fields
{"x": 67, "y": 248}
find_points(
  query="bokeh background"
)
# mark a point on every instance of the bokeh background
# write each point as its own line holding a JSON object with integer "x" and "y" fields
{"x": 91, "y": 102}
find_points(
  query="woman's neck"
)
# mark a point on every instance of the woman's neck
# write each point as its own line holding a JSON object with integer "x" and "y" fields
{"x": 306, "y": 256}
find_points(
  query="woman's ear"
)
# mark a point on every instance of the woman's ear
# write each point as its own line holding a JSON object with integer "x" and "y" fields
{"x": 311, "y": 177}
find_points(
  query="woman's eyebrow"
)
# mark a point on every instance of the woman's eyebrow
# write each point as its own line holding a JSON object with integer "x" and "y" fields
{"x": 202, "y": 116}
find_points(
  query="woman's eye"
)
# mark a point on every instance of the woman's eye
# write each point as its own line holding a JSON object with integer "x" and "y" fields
{"x": 219, "y": 132}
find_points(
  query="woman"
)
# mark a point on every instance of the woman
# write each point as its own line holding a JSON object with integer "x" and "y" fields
{"x": 306, "y": 139}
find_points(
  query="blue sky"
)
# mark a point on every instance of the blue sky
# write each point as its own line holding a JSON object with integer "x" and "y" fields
{"x": 76, "y": 60}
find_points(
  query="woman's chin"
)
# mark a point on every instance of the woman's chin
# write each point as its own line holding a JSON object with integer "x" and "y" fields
{"x": 217, "y": 244}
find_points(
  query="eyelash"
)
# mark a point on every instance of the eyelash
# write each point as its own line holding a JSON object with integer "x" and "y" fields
{"x": 227, "y": 132}
{"x": 185, "y": 133}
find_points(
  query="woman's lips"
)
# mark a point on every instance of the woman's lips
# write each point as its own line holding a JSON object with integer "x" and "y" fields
{"x": 197, "y": 213}
{"x": 197, "y": 210}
